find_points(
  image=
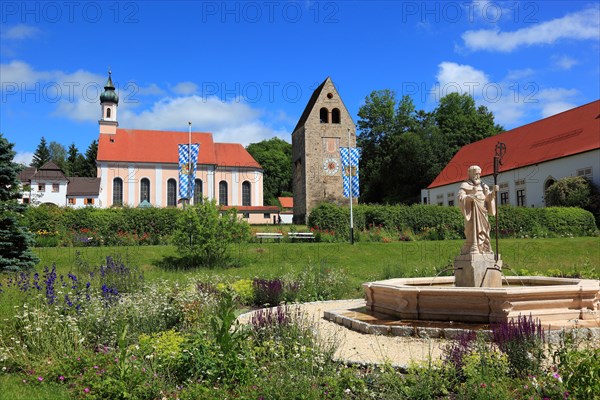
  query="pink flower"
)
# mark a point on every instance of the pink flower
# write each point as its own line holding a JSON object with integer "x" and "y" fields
{"x": 40, "y": 379}
{"x": 483, "y": 385}
{"x": 61, "y": 378}
{"x": 86, "y": 390}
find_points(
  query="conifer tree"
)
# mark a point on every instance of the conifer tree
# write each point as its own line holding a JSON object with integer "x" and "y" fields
{"x": 15, "y": 241}
{"x": 41, "y": 155}
{"x": 89, "y": 168}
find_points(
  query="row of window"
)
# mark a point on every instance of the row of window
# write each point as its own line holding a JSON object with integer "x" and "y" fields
{"x": 42, "y": 187}
{"x": 504, "y": 198}
{"x": 324, "y": 115}
{"x": 172, "y": 192}
{"x": 87, "y": 201}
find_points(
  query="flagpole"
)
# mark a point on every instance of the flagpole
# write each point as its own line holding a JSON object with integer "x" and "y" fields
{"x": 189, "y": 200}
{"x": 350, "y": 176}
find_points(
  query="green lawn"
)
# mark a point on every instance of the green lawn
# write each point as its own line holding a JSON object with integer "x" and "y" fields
{"x": 361, "y": 261}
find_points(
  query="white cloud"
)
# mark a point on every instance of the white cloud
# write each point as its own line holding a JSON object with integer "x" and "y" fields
{"x": 23, "y": 158}
{"x": 453, "y": 77}
{"x": 556, "y": 100}
{"x": 512, "y": 99}
{"x": 185, "y": 88}
{"x": 581, "y": 25}
{"x": 19, "y": 32}
{"x": 517, "y": 74}
{"x": 151, "y": 90}
{"x": 233, "y": 121}
{"x": 564, "y": 62}
{"x": 19, "y": 72}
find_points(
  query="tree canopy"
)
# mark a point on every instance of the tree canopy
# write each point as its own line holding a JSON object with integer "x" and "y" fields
{"x": 275, "y": 156}
{"x": 404, "y": 149}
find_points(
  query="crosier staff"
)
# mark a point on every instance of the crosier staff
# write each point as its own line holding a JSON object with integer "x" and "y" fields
{"x": 500, "y": 151}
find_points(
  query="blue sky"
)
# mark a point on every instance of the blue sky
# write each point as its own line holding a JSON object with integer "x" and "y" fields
{"x": 245, "y": 70}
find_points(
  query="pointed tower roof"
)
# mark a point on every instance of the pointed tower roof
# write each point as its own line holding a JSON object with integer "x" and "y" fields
{"x": 311, "y": 104}
{"x": 109, "y": 95}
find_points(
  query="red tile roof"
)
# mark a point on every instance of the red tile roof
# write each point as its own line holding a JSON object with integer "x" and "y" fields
{"x": 234, "y": 154}
{"x": 139, "y": 145}
{"x": 286, "y": 202}
{"x": 570, "y": 132}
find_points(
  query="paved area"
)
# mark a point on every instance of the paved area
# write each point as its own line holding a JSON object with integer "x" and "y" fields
{"x": 356, "y": 347}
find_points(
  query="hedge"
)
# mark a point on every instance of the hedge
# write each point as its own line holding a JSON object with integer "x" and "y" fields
{"x": 435, "y": 222}
{"x": 56, "y": 226}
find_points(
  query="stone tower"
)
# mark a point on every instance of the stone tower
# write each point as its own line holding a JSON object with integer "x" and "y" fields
{"x": 322, "y": 129}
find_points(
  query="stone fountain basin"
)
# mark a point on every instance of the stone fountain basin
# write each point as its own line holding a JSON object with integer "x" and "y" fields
{"x": 437, "y": 299}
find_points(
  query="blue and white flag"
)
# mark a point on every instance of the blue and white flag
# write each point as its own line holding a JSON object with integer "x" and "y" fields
{"x": 350, "y": 156}
{"x": 186, "y": 185}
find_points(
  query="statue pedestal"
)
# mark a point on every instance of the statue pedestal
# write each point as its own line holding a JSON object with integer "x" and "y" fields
{"x": 477, "y": 270}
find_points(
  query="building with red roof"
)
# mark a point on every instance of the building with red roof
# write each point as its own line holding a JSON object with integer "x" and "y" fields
{"x": 138, "y": 166}
{"x": 537, "y": 154}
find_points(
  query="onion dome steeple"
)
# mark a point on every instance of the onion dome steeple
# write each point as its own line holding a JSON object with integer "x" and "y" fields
{"x": 109, "y": 94}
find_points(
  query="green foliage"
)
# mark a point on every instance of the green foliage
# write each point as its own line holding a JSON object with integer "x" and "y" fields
{"x": 66, "y": 226}
{"x": 204, "y": 234}
{"x": 403, "y": 149}
{"x": 575, "y": 191}
{"x": 15, "y": 241}
{"x": 58, "y": 154}
{"x": 572, "y": 191}
{"x": 441, "y": 223}
{"x": 89, "y": 165}
{"x": 579, "y": 366}
{"x": 275, "y": 157}
{"x": 41, "y": 155}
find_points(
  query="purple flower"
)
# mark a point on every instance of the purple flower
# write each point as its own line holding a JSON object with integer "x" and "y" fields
{"x": 40, "y": 378}
{"x": 61, "y": 378}
{"x": 86, "y": 390}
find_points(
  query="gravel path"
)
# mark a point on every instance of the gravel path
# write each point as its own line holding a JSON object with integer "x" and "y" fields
{"x": 357, "y": 347}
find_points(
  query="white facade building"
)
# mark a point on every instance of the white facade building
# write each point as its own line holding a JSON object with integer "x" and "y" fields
{"x": 537, "y": 155}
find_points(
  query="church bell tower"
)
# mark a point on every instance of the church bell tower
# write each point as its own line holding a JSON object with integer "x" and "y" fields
{"x": 322, "y": 129}
{"x": 109, "y": 101}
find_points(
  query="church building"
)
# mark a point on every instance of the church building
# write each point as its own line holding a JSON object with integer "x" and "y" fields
{"x": 141, "y": 167}
{"x": 537, "y": 155}
{"x": 324, "y": 127}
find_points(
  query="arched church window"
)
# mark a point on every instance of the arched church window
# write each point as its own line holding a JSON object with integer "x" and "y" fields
{"x": 335, "y": 116}
{"x": 246, "y": 189}
{"x": 108, "y": 113}
{"x": 324, "y": 115}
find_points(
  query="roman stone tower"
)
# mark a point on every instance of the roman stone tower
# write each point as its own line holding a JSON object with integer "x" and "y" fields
{"x": 322, "y": 129}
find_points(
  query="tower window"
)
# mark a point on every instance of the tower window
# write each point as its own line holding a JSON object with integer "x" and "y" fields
{"x": 108, "y": 113}
{"x": 335, "y": 116}
{"x": 171, "y": 193}
{"x": 246, "y": 193}
{"x": 145, "y": 190}
{"x": 223, "y": 193}
{"x": 324, "y": 115}
{"x": 117, "y": 192}
{"x": 330, "y": 96}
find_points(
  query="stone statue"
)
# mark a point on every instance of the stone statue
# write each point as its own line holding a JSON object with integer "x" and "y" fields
{"x": 476, "y": 201}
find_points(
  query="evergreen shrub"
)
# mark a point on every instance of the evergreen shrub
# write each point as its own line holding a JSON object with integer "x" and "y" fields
{"x": 438, "y": 223}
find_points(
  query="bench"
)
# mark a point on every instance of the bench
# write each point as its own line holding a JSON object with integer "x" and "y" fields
{"x": 301, "y": 235}
{"x": 269, "y": 235}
